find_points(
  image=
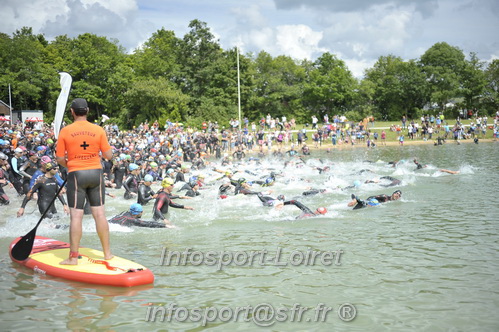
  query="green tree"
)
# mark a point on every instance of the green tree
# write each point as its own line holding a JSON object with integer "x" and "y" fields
{"x": 158, "y": 56}
{"x": 443, "y": 65}
{"x": 197, "y": 53}
{"x": 24, "y": 66}
{"x": 491, "y": 93}
{"x": 330, "y": 88}
{"x": 473, "y": 82}
{"x": 278, "y": 87}
{"x": 154, "y": 99}
{"x": 400, "y": 88}
{"x": 93, "y": 64}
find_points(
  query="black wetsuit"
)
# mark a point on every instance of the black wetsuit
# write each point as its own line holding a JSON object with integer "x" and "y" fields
{"x": 224, "y": 189}
{"x": 127, "y": 219}
{"x": 180, "y": 177}
{"x": 241, "y": 190}
{"x": 4, "y": 199}
{"x": 106, "y": 168}
{"x": 185, "y": 187}
{"x": 239, "y": 155}
{"x": 394, "y": 182}
{"x": 47, "y": 188}
{"x": 15, "y": 177}
{"x": 306, "y": 212}
{"x": 313, "y": 192}
{"x": 192, "y": 193}
{"x": 163, "y": 201}
{"x": 267, "y": 200}
{"x": 145, "y": 194}
{"x": 380, "y": 198}
{"x": 29, "y": 168}
{"x": 131, "y": 185}
{"x": 119, "y": 173}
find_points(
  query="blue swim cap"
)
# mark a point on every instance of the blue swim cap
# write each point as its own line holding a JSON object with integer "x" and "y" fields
{"x": 373, "y": 202}
{"x": 148, "y": 178}
{"x": 133, "y": 167}
{"x": 357, "y": 183}
{"x": 269, "y": 180}
{"x": 136, "y": 208}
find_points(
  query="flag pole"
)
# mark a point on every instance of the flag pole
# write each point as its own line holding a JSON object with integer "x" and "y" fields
{"x": 10, "y": 107}
{"x": 238, "y": 89}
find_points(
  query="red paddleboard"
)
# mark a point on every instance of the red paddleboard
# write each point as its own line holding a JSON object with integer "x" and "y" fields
{"x": 92, "y": 268}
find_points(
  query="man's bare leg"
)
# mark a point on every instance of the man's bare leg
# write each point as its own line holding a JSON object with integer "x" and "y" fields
{"x": 448, "y": 171}
{"x": 102, "y": 226}
{"x": 75, "y": 232}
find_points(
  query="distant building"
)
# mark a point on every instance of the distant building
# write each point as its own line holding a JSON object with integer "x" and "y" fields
{"x": 27, "y": 116}
{"x": 4, "y": 109}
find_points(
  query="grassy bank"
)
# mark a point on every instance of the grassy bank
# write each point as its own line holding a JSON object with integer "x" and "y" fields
{"x": 392, "y": 136}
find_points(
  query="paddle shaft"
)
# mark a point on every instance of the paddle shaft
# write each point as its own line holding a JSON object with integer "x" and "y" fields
{"x": 51, "y": 202}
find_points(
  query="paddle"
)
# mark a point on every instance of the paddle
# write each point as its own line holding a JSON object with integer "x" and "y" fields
{"x": 22, "y": 249}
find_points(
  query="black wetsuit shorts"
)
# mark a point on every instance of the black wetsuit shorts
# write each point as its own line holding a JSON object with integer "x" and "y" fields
{"x": 85, "y": 184}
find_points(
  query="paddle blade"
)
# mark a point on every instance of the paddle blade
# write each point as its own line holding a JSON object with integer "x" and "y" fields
{"x": 22, "y": 249}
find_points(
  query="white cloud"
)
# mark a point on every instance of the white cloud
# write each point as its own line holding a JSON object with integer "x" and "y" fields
{"x": 250, "y": 16}
{"x": 14, "y": 14}
{"x": 358, "y": 31}
{"x": 122, "y": 8}
{"x": 298, "y": 41}
{"x": 382, "y": 31}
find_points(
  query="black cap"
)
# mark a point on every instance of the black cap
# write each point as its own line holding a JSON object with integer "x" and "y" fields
{"x": 79, "y": 104}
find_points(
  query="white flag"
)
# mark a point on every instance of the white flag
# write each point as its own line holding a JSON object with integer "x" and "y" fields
{"x": 61, "y": 102}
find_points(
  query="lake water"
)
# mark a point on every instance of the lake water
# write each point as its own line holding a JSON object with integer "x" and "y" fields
{"x": 428, "y": 262}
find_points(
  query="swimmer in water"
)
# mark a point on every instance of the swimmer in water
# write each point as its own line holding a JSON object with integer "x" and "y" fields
{"x": 374, "y": 200}
{"x": 393, "y": 181}
{"x": 306, "y": 212}
{"x": 418, "y": 165}
{"x": 270, "y": 201}
{"x": 312, "y": 192}
{"x": 132, "y": 218}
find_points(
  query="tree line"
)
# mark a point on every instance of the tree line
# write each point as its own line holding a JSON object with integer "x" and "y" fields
{"x": 192, "y": 79}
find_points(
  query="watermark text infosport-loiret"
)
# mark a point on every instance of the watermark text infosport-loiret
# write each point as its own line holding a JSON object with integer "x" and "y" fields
{"x": 263, "y": 257}
{"x": 262, "y": 314}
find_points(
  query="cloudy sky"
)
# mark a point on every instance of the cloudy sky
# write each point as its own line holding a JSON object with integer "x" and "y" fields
{"x": 357, "y": 31}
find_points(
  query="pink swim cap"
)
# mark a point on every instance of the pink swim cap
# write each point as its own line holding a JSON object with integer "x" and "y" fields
{"x": 45, "y": 159}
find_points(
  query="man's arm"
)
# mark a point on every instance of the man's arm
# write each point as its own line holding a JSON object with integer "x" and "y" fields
{"x": 62, "y": 161}
{"x": 108, "y": 154}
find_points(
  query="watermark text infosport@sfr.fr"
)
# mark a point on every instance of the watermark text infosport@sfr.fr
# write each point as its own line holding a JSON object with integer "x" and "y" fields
{"x": 262, "y": 314}
{"x": 262, "y": 257}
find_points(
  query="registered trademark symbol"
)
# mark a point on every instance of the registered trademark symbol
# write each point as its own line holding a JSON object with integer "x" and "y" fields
{"x": 347, "y": 312}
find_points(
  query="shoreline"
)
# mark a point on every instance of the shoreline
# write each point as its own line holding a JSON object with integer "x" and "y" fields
{"x": 363, "y": 144}
{"x": 395, "y": 143}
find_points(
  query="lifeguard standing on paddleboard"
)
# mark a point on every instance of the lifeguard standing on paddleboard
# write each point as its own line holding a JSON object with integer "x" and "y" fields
{"x": 78, "y": 148}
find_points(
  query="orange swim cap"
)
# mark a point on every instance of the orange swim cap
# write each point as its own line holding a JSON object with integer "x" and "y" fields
{"x": 322, "y": 210}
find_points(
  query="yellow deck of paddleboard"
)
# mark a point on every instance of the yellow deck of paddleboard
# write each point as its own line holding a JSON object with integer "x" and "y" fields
{"x": 55, "y": 256}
